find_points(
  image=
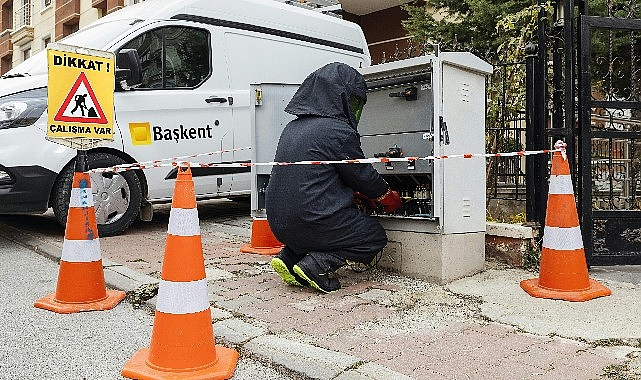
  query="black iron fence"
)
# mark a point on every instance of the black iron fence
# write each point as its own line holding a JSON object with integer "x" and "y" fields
{"x": 505, "y": 132}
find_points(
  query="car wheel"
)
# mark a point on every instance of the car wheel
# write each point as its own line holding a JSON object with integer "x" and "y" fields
{"x": 117, "y": 196}
{"x": 241, "y": 199}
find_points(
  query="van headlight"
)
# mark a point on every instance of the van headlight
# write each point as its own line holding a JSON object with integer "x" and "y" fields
{"x": 22, "y": 109}
{"x": 5, "y": 177}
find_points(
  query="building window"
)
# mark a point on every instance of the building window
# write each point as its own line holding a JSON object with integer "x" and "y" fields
{"x": 132, "y": 2}
{"x": 45, "y": 41}
{"x": 26, "y": 54}
{"x": 46, "y": 3}
{"x": 70, "y": 28}
{"x": 7, "y": 16}
{"x": 5, "y": 64}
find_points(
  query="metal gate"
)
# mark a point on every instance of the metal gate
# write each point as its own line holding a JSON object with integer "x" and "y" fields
{"x": 609, "y": 138}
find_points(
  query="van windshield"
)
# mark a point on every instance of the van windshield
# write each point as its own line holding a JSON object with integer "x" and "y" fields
{"x": 94, "y": 36}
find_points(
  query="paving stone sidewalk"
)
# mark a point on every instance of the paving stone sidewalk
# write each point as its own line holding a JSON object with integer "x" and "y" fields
{"x": 380, "y": 325}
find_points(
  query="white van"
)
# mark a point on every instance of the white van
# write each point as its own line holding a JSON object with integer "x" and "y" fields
{"x": 197, "y": 59}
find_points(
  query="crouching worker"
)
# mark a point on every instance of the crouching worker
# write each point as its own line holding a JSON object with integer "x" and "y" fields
{"x": 310, "y": 208}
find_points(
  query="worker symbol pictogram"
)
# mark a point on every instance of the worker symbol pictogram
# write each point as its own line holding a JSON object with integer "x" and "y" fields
{"x": 81, "y": 104}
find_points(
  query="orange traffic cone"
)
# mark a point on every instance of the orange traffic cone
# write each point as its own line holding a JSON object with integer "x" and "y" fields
{"x": 182, "y": 341}
{"x": 81, "y": 280}
{"x": 263, "y": 240}
{"x": 563, "y": 272}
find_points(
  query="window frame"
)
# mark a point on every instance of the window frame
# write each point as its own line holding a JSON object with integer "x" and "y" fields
{"x": 44, "y": 42}
{"x": 163, "y": 63}
{"x": 24, "y": 52}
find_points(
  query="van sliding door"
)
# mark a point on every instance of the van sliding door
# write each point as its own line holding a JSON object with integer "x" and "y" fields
{"x": 180, "y": 109}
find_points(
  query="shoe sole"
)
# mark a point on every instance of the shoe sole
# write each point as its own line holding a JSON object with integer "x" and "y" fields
{"x": 280, "y": 268}
{"x": 299, "y": 271}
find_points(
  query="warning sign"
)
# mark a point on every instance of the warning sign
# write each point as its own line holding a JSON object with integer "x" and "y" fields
{"x": 80, "y": 95}
{"x": 81, "y": 105}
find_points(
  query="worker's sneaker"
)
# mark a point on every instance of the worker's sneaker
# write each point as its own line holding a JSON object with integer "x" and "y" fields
{"x": 285, "y": 270}
{"x": 317, "y": 278}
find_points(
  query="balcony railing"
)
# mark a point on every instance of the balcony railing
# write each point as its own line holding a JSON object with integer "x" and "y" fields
{"x": 22, "y": 16}
{"x": 67, "y": 17}
{"x": 68, "y": 11}
{"x": 108, "y": 6}
{"x": 6, "y": 46}
{"x": 22, "y": 29}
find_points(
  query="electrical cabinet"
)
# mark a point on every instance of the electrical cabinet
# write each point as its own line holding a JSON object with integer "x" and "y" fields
{"x": 417, "y": 109}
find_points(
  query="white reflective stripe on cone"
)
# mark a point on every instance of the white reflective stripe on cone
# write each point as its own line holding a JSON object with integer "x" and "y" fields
{"x": 561, "y": 184}
{"x": 562, "y": 238}
{"x": 81, "y": 198}
{"x": 176, "y": 297}
{"x": 80, "y": 251}
{"x": 183, "y": 222}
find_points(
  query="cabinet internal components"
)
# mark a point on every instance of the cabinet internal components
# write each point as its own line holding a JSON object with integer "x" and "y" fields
{"x": 416, "y": 192}
{"x": 397, "y": 122}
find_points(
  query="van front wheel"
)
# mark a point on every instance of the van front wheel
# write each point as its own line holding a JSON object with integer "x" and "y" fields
{"x": 117, "y": 196}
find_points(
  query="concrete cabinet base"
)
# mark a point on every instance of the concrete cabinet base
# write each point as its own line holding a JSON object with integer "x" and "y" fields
{"x": 419, "y": 250}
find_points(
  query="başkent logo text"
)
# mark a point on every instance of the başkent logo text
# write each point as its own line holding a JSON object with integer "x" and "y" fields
{"x": 181, "y": 133}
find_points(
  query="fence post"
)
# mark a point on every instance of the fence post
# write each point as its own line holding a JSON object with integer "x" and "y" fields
{"x": 535, "y": 115}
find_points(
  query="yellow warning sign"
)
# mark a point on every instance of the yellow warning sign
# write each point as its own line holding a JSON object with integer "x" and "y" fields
{"x": 80, "y": 94}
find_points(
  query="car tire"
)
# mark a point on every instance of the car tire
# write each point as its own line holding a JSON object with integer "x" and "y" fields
{"x": 241, "y": 199}
{"x": 117, "y": 196}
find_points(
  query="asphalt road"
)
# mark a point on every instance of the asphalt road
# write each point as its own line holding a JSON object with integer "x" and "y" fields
{"x": 39, "y": 344}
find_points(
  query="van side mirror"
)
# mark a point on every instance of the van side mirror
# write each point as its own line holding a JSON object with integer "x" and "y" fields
{"x": 128, "y": 70}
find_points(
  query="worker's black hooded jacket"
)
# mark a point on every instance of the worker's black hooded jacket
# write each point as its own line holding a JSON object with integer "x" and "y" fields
{"x": 318, "y": 199}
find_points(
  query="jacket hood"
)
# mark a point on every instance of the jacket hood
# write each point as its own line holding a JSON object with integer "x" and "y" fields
{"x": 326, "y": 93}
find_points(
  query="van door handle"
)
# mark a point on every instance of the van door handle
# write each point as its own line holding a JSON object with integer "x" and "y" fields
{"x": 216, "y": 99}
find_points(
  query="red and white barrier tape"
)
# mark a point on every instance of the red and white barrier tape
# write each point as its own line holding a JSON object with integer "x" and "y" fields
{"x": 173, "y": 161}
{"x": 177, "y": 162}
{"x": 560, "y": 145}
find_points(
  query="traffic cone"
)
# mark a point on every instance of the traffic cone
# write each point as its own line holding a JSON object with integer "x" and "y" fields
{"x": 182, "y": 340}
{"x": 563, "y": 271}
{"x": 263, "y": 240}
{"x": 81, "y": 280}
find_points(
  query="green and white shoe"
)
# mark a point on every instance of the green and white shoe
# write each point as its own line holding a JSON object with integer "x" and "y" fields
{"x": 289, "y": 277}
{"x": 308, "y": 270}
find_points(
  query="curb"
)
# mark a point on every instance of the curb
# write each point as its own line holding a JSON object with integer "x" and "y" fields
{"x": 302, "y": 359}
{"x": 117, "y": 276}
